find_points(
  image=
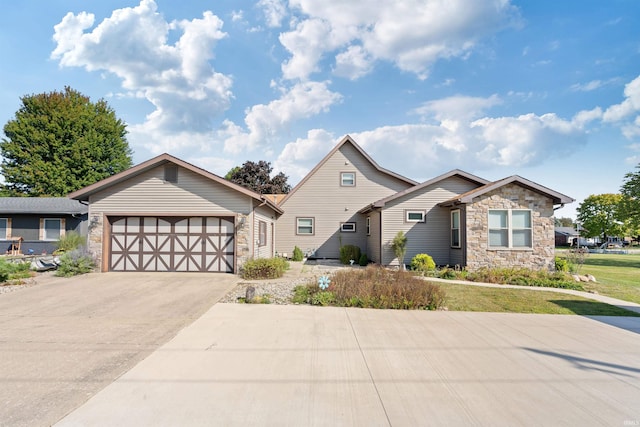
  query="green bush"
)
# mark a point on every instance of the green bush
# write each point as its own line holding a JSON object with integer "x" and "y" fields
{"x": 448, "y": 273}
{"x": 373, "y": 287}
{"x": 348, "y": 253}
{"x": 422, "y": 263}
{"x": 363, "y": 260}
{"x": 297, "y": 254}
{"x": 264, "y": 268}
{"x": 13, "y": 270}
{"x": 562, "y": 264}
{"x": 70, "y": 241}
{"x": 77, "y": 261}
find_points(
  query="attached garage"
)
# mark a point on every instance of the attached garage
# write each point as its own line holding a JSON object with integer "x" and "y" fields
{"x": 195, "y": 244}
{"x": 168, "y": 215}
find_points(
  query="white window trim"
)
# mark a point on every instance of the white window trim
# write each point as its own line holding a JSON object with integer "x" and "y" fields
{"x": 510, "y": 230}
{"x": 413, "y": 211}
{"x": 313, "y": 226}
{"x": 368, "y": 226}
{"x": 7, "y": 230}
{"x": 262, "y": 237}
{"x": 352, "y": 225}
{"x": 459, "y": 245}
{"x": 342, "y": 175}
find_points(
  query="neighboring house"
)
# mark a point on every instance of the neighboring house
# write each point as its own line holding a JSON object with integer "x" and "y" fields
{"x": 168, "y": 215}
{"x": 39, "y": 222}
{"x": 564, "y": 236}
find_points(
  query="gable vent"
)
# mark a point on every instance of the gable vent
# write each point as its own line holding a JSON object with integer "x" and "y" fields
{"x": 171, "y": 173}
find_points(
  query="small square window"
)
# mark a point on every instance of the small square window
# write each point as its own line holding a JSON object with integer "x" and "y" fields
{"x": 414, "y": 216}
{"x": 348, "y": 227}
{"x": 304, "y": 226}
{"x": 348, "y": 179}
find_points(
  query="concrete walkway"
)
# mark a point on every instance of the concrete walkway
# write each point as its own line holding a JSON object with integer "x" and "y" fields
{"x": 324, "y": 366}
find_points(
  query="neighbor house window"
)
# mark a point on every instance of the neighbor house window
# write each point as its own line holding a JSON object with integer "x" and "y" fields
{"x": 414, "y": 216}
{"x": 304, "y": 226}
{"x": 455, "y": 229}
{"x": 262, "y": 233}
{"x": 4, "y": 228}
{"x": 51, "y": 228}
{"x": 348, "y": 227}
{"x": 348, "y": 179}
{"x": 510, "y": 229}
{"x": 368, "y": 226}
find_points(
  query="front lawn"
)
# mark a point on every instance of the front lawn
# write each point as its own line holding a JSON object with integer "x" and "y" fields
{"x": 618, "y": 275}
{"x": 507, "y": 300}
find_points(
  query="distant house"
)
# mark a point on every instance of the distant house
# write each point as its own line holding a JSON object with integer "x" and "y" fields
{"x": 37, "y": 223}
{"x": 168, "y": 215}
{"x": 564, "y": 236}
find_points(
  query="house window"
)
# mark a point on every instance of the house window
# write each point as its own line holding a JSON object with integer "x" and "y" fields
{"x": 414, "y": 216}
{"x": 368, "y": 226}
{"x": 455, "y": 229}
{"x": 304, "y": 226}
{"x": 171, "y": 173}
{"x": 4, "y": 228}
{"x": 348, "y": 179}
{"x": 510, "y": 229}
{"x": 262, "y": 233}
{"x": 52, "y": 228}
{"x": 348, "y": 227}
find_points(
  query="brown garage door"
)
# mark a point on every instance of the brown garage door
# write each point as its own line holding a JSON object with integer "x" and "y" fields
{"x": 172, "y": 244}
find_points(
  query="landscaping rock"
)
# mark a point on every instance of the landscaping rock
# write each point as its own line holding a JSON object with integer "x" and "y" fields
{"x": 250, "y": 293}
{"x": 591, "y": 278}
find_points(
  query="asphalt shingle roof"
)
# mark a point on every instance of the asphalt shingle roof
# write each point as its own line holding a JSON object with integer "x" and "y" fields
{"x": 41, "y": 205}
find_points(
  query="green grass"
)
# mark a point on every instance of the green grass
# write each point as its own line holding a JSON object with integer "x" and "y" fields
{"x": 505, "y": 300}
{"x": 618, "y": 276}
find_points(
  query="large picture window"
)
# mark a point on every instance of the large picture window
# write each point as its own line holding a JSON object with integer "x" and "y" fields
{"x": 455, "y": 229}
{"x": 304, "y": 226}
{"x": 510, "y": 229}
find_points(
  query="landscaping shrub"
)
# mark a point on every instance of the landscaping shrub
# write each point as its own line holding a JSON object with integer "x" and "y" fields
{"x": 399, "y": 246}
{"x": 10, "y": 271}
{"x": 450, "y": 274}
{"x": 363, "y": 260}
{"x": 264, "y": 268}
{"x": 297, "y": 254}
{"x": 373, "y": 287}
{"x": 524, "y": 277}
{"x": 70, "y": 241}
{"x": 422, "y": 263}
{"x": 77, "y": 261}
{"x": 562, "y": 264}
{"x": 348, "y": 253}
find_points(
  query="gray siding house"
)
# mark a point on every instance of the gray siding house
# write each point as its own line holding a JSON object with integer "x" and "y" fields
{"x": 168, "y": 215}
{"x": 39, "y": 222}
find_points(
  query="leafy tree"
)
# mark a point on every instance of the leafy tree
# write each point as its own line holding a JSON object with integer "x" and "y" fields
{"x": 599, "y": 216}
{"x": 59, "y": 142}
{"x": 630, "y": 205}
{"x": 257, "y": 177}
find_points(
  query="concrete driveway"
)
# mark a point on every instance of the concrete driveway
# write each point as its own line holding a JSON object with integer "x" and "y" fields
{"x": 297, "y": 366}
{"x": 63, "y": 340}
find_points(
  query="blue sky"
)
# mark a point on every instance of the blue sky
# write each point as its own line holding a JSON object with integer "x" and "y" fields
{"x": 543, "y": 89}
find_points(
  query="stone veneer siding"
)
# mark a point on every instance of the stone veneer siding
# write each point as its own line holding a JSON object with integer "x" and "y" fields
{"x": 511, "y": 196}
{"x": 96, "y": 233}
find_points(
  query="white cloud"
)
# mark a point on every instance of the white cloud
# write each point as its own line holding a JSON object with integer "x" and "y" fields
{"x": 353, "y": 63}
{"x": 274, "y": 11}
{"x": 132, "y": 43}
{"x": 299, "y": 157}
{"x": 457, "y": 107}
{"x": 628, "y": 107}
{"x": 265, "y": 121}
{"x": 412, "y": 34}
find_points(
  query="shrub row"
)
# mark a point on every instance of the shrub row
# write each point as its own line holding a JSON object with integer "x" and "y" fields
{"x": 13, "y": 271}
{"x": 264, "y": 268}
{"x": 524, "y": 277}
{"x": 373, "y": 287}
